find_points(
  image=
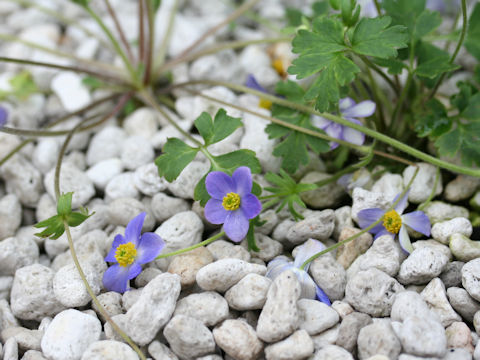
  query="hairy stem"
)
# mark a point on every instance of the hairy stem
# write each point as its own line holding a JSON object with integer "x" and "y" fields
{"x": 151, "y": 42}
{"x": 162, "y": 52}
{"x": 193, "y": 247}
{"x": 141, "y": 32}
{"x": 120, "y": 31}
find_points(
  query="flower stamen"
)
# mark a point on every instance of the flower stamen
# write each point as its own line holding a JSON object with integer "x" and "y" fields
{"x": 392, "y": 221}
{"x": 231, "y": 201}
{"x": 126, "y": 254}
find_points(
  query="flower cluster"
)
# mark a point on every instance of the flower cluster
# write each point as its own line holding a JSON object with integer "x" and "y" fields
{"x": 310, "y": 289}
{"x": 350, "y": 111}
{"x": 232, "y": 203}
{"x": 394, "y": 222}
{"x": 129, "y": 252}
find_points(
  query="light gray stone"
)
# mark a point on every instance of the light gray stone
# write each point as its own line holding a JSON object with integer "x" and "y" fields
{"x": 71, "y": 91}
{"x": 184, "y": 185}
{"x": 438, "y": 211}
{"x": 329, "y": 275}
{"x": 32, "y": 296}
{"x": 10, "y": 350}
{"x": 209, "y": 307}
{"x": 372, "y": 292}
{"x": 390, "y": 185}
{"x": 136, "y": 151}
{"x": 410, "y": 303}
{"x": 147, "y": 275}
{"x": 33, "y": 355}
{"x": 434, "y": 245}
{"x": 422, "y": 336}
{"x": 142, "y": 122}
{"x": 421, "y": 266}
{"x": 280, "y": 316}
{"x": 153, "y": 308}
{"x": 459, "y": 337}
{"x": 111, "y": 302}
{"x": 161, "y": 351}
{"x": 69, "y": 335}
{"x": 342, "y": 308}
{"x": 318, "y": 225}
{"x": 297, "y": 346}
{"x": 347, "y": 253}
{"x": 16, "y": 253}
{"x": 250, "y": 293}
{"x": 364, "y": 199}
{"x": 435, "y": 296}
{"x": 102, "y": 172}
{"x": 188, "y": 337}
{"x": 26, "y": 339}
{"x": 164, "y": 206}
{"x": 470, "y": 278}
{"x": 105, "y": 144}
{"x": 423, "y": 183}
{"x": 452, "y": 274}
{"x": 332, "y": 352}
{"x": 349, "y": 329}
{"x": 122, "y": 210}
{"x": 463, "y": 303}
{"x": 324, "y": 196}
{"x": 463, "y": 248}
{"x": 148, "y": 181}
{"x": 10, "y": 216}
{"x": 182, "y": 230}
{"x": 223, "y": 274}
{"x": 268, "y": 248}
{"x": 461, "y": 188}
{"x": 187, "y": 265}
{"x": 109, "y": 350}
{"x": 315, "y": 316}
{"x": 238, "y": 339}
{"x": 121, "y": 186}
{"x": 442, "y": 231}
{"x": 343, "y": 218}
{"x": 222, "y": 249}
{"x": 378, "y": 339}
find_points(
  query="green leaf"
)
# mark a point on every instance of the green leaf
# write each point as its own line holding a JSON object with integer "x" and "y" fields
{"x": 217, "y": 130}
{"x": 83, "y": 3}
{"x": 176, "y": 156}
{"x": 251, "y": 243}
{"x": 92, "y": 82}
{"x": 22, "y": 86}
{"x": 434, "y": 67}
{"x": 54, "y": 227}
{"x": 449, "y": 143}
{"x": 404, "y": 12}
{"x": 429, "y": 55}
{"x": 200, "y": 193}
{"x": 472, "y": 42}
{"x": 463, "y": 140}
{"x": 64, "y": 205}
{"x": 434, "y": 122}
{"x": 230, "y": 162}
{"x": 472, "y": 111}
{"x": 373, "y": 37}
{"x": 395, "y": 66}
{"x": 426, "y": 22}
{"x": 76, "y": 218}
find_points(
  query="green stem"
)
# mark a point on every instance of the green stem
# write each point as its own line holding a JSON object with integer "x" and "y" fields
{"x": 380, "y": 123}
{"x": 115, "y": 44}
{"x": 379, "y": 72}
{"x": 422, "y": 206}
{"x": 120, "y": 31}
{"x": 193, "y": 247}
{"x": 377, "y": 6}
{"x": 162, "y": 52}
{"x": 353, "y": 237}
{"x": 101, "y": 75}
{"x": 337, "y": 119}
{"x": 457, "y": 49}
{"x": 151, "y": 42}
{"x": 141, "y": 32}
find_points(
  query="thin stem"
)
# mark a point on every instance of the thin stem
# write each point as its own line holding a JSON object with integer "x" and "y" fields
{"x": 377, "y": 6}
{"x": 237, "y": 13}
{"x": 432, "y": 193}
{"x": 101, "y": 75}
{"x": 193, "y": 247}
{"x": 141, "y": 32}
{"x": 457, "y": 49}
{"x": 162, "y": 52}
{"x": 337, "y": 119}
{"x": 120, "y": 31}
{"x": 381, "y": 117}
{"x": 151, "y": 42}
{"x": 115, "y": 44}
{"x": 353, "y": 237}
{"x": 380, "y": 72}
{"x": 219, "y": 47}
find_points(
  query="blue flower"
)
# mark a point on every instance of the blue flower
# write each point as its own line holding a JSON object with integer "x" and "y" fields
{"x": 252, "y": 83}
{"x": 350, "y": 111}
{"x": 130, "y": 252}
{"x": 232, "y": 203}
{"x": 3, "y": 116}
{"x": 394, "y": 222}
{"x": 310, "y": 289}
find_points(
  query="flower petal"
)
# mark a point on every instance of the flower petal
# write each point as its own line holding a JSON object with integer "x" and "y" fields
{"x": 242, "y": 180}
{"x": 236, "y": 225}
{"x": 118, "y": 240}
{"x": 134, "y": 270}
{"x": 149, "y": 247}
{"x": 252, "y": 83}
{"x": 116, "y": 278}
{"x": 251, "y": 206}
{"x": 320, "y": 122}
{"x": 215, "y": 212}
{"x": 353, "y": 136}
{"x": 402, "y": 204}
{"x": 134, "y": 228}
{"x": 308, "y": 286}
{"x": 322, "y": 296}
{"x": 277, "y": 266}
{"x": 345, "y": 103}
{"x": 418, "y": 221}
{"x": 218, "y": 184}
{"x": 306, "y": 251}
{"x": 362, "y": 109}
{"x": 367, "y": 217}
{"x": 404, "y": 240}
{"x": 384, "y": 232}
{"x": 335, "y": 130}
{"x": 3, "y": 116}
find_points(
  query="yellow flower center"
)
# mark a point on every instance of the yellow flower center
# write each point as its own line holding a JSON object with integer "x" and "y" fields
{"x": 265, "y": 104}
{"x": 392, "y": 221}
{"x": 231, "y": 201}
{"x": 277, "y": 64}
{"x": 126, "y": 254}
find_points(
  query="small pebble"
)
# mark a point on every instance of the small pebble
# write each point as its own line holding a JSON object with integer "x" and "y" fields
{"x": 238, "y": 339}
{"x": 297, "y": 346}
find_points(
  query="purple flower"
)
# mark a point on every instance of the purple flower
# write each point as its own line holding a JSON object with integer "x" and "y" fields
{"x": 252, "y": 83}
{"x": 232, "y": 203}
{"x": 3, "y": 116}
{"x": 393, "y": 222}
{"x": 130, "y": 252}
{"x": 310, "y": 289}
{"x": 350, "y": 111}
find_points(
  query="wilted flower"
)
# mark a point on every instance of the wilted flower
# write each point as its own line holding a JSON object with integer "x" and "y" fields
{"x": 232, "y": 203}
{"x": 130, "y": 252}
{"x": 350, "y": 111}
{"x": 393, "y": 222}
{"x": 3, "y": 116}
{"x": 310, "y": 289}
